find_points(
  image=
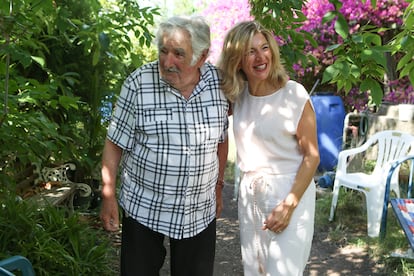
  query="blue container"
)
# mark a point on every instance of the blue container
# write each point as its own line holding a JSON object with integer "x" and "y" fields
{"x": 330, "y": 115}
{"x": 326, "y": 180}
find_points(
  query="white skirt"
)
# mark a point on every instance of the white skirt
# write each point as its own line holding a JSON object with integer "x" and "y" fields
{"x": 263, "y": 251}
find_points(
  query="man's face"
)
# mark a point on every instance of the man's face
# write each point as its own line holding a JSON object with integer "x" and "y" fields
{"x": 175, "y": 56}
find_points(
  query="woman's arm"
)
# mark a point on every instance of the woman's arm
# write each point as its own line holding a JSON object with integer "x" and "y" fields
{"x": 306, "y": 136}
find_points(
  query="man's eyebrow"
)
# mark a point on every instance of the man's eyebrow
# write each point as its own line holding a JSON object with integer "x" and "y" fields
{"x": 180, "y": 51}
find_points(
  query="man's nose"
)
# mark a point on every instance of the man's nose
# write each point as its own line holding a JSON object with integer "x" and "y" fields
{"x": 168, "y": 60}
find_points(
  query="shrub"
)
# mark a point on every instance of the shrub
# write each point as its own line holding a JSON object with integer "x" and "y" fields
{"x": 56, "y": 243}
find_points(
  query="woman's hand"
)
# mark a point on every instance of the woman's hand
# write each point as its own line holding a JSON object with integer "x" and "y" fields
{"x": 279, "y": 218}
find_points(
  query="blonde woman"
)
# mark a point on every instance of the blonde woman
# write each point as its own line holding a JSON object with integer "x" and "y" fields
{"x": 277, "y": 152}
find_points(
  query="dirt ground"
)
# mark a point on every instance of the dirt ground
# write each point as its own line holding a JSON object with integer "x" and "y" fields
{"x": 327, "y": 258}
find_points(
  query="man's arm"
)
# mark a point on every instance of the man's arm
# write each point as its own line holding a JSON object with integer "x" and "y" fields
{"x": 222, "y": 151}
{"x": 110, "y": 163}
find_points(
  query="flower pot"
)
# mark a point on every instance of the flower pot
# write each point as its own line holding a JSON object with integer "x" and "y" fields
{"x": 405, "y": 112}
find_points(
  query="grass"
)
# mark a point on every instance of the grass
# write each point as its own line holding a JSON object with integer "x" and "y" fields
{"x": 349, "y": 228}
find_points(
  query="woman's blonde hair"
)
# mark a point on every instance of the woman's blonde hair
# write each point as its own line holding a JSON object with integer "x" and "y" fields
{"x": 235, "y": 47}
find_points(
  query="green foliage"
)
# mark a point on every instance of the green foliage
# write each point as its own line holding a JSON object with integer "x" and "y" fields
{"x": 60, "y": 61}
{"x": 360, "y": 62}
{"x": 403, "y": 42}
{"x": 361, "y": 58}
{"x": 55, "y": 242}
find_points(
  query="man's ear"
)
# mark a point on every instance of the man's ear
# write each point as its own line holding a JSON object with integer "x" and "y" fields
{"x": 203, "y": 57}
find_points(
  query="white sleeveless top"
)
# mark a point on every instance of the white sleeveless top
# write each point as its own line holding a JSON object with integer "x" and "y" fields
{"x": 265, "y": 128}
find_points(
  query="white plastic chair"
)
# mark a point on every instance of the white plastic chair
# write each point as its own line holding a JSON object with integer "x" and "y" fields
{"x": 390, "y": 145}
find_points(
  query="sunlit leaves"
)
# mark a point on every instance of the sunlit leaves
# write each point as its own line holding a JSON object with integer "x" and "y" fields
{"x": 39, "y": 60}
{"x": 360, "y": 62}
{"x": 66, "y": 57}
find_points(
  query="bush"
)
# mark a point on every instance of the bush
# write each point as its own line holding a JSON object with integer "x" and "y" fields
{"x": 55, "y": 241}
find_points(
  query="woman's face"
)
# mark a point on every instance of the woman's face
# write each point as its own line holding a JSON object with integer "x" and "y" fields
{"x": 257, "y": 62}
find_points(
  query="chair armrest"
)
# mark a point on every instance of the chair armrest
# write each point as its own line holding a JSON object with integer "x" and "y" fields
{"x": 17, "y": 263}
{"x": 344, "y": 154}
{"x": 398, "y": 161}
{"x": 392, "y": 166}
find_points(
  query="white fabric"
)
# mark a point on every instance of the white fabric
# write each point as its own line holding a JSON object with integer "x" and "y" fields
{"x": 265, "y": 128}
{"x": 277, "y": 254}
{"x": 269, "y": 157}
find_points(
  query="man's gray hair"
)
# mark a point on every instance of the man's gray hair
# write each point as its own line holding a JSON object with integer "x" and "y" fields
{"x": 196, "y": 26}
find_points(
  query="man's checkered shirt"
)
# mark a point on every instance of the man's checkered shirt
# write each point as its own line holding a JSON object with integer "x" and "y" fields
{"x": 170, "y": 164}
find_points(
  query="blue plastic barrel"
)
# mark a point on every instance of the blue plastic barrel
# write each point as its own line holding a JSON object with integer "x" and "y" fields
{"x": 330, "y": 115}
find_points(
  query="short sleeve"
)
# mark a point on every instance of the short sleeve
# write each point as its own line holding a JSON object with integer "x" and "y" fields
{"x": 121, "y": 129}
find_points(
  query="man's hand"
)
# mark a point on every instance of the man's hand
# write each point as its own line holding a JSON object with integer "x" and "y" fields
{"x": 219, "y": 200}
{"x": 110, "y": 214}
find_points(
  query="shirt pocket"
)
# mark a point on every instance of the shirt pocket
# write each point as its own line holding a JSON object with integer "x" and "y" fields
{"x": 152, "y": 115}
{"x": 155, "y": 123}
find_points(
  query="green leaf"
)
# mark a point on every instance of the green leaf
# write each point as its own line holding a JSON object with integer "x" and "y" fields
{"x": 371, "y": 38}
{"x": 300, "y": 17}
{"x": 68, "y": 102}
{"x": 329, "y": 16}
{"x": 341, "y": 26}
{"x": 332, "y": 47}
{"x": 348, "y": 86}
{"x": 39, "y": 60}
{"x": 411, "y": 76}
{"x": 330, "y": 73}
{"x": 95, "y": 58}
{"x": 336, "y": 3}
{"x": 407, "y": 69}
{"x": 355, "y": 71}
{"x": 27, "y": 99}
{"x": 371, "y": 55}
{"x": 374, "y": 88}
{"x": 404, "y": 60}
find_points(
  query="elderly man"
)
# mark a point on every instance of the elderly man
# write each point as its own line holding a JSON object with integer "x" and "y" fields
{"x": 168, "y": 136}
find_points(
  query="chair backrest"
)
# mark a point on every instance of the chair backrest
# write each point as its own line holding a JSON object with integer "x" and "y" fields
{"x": 392, "y": 145}
{"x": 60, "y": 173}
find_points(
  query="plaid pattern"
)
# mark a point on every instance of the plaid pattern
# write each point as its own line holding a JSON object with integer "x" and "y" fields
{"x": 170, "y": 163}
